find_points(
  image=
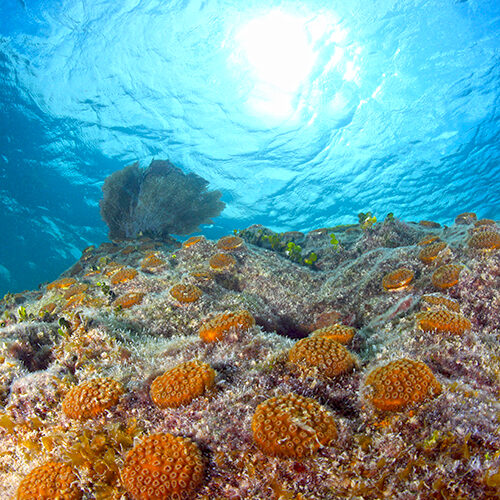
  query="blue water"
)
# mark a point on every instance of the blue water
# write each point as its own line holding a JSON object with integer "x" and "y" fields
{"x": 302, "y": 113}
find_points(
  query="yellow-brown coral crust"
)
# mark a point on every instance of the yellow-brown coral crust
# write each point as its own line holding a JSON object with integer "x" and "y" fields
{"x": 446, "y": 276}
{"x": 325, "y": 355}
{"x": 151, "y": 262}
{"x": 443, "y": 321}
{"x": 398, "y": 279}
{"x": 217, "y": 327}
{"x": 221, "y": 261}
{"x": 128, "y": 300}
{"x": 229, "y": 243}
{"x": 427, "y": 302}
{"x": 341, "y": 333}
{"x": 61, "y": 283}
{"x": 181, "y": 384}
{"x": 430, "y": 252}
{"x": 192, "y": 241}
{"x": 91, "y": 398}
{"x": 485, "y": 240}
{"x": 185, "y": 293}
{"x": 465, "y": 218}
{"x": 292, "y": 426}
{"x": 400, "y": 383}
{"x": 427, "y": 240}
{"x": 123, "y": 275}
{"x": 163, "y": 467}
{"x": 53, "y": 480}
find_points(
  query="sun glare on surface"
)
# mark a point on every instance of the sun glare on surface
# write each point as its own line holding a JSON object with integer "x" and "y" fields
{"x": 278, "y": 52}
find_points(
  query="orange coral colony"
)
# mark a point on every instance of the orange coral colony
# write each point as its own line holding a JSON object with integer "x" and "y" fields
{"x": 53, "y": 480}
{"x": 128, "y": 300}
{"x": 427, "y": 240}
{"x": 123, "y": 275}
{"x": 466, "y": 218}
{"x": 61, "y": 283}
{"x": 443, "y": 321}
{"x": 400, "y": 383}
{"x": 192, "y": 241}
{"x": 152, "y": 262}
{"x": 446, "y": 276}
{"x": 427, "y": 302}
{"x": 430, "y": 252}
{"x": 92, "y": 398}
{"x": 485, "y": 240}
{"x": 340, "y": 333}
{"x": 229, "y": 243}
{"x": 398, "y": 280}
{"x": 218, "y": 327}
{"x": 325, "y": 355}
{"x": 292, "y": 426}
{"x": 221, "y": 261}
{"x": 429, "y": 223}
{"x": 163, "y": 466}
{"x": 485, "y": 222}
{"x": 185, "y": 293}
{"x": 75, "y": 289}
{"x": 181, "y": 384}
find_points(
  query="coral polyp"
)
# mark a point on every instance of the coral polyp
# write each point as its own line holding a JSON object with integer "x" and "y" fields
{"x": 398, "y": 279}
{"x": 181, "y": 384}
{"x": 292, "y": 426}
{"x": 128, "y": 300}
{"x": 185, "y": 293}
{"x": 428, "y": 302}
{"x": 445, "y": 277}
{"x": 322, "y": 355}
{"x": 485, "y": 240}
{"x": 92, "y": 398}
{"x": 399, "y": 384}
{"x": 221, "y": 261}
{"x": 341, "y": 333}
{"x": 219, "y": 326}
{"x": 123, "y": 275}
{"x": 192, "y": 241}
{"x": 229, "y": 243}
{"x": 430, "y": 252}
{"x": 163, "y": 466}
{"x": 443, "y": 321}
{"x": 53, "y": 480}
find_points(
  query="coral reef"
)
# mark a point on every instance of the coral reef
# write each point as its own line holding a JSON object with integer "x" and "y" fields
{"x": 268, "y": 403}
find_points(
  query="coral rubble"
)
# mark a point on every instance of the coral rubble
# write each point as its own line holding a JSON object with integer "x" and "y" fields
{"x": 219, "y": 369}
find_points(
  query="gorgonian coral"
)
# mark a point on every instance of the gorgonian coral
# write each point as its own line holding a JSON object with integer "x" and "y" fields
{"x": 156, "y": 201}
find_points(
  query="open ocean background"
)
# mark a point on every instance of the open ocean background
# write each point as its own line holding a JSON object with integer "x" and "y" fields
{"x": 302, "y": 113}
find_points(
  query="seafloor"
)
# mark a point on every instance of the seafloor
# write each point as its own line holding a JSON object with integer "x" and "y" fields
{"x": 83, "y": 326}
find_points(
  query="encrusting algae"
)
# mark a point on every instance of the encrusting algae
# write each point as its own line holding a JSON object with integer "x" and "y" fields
{"x": 233, "y": 369}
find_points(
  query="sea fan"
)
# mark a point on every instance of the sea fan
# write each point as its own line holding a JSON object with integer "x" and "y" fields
{"x": 156, "y": 201}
